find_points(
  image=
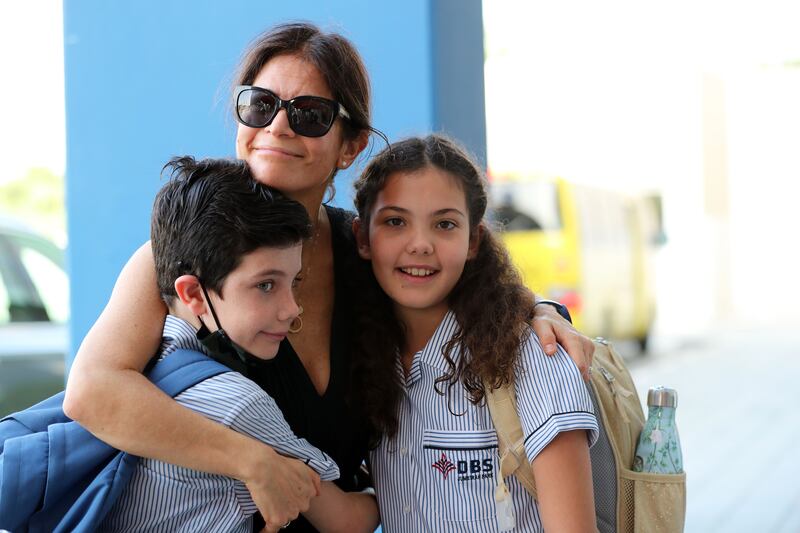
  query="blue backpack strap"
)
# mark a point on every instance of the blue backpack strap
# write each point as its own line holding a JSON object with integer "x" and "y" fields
{"x": 183, "y": 369}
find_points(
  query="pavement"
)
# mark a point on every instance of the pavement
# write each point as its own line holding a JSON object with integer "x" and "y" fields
{"x": 739, "y": 424}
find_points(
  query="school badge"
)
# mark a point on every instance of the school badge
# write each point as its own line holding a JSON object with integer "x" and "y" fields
{"x": 444, "y": 465}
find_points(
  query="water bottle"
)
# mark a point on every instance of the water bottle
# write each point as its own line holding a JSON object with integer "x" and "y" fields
{"x": 659, "y": 448}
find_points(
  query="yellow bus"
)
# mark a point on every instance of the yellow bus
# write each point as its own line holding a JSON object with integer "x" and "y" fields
{"x": 589, "y": 248}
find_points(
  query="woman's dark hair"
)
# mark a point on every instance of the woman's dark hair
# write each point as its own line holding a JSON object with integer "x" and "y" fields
{"x": 490, "y": 303}
{"x": 210, "y": 214}
{"x": 332, "y": 54}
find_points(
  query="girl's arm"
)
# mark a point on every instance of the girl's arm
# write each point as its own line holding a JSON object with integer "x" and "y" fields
{"x": 107, "y": 394}
{"x": 563, "y": 477}
{"x": 335, "y": 511}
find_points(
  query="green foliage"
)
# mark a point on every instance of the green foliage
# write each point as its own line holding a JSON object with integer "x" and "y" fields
{"x": 37, "y": 200}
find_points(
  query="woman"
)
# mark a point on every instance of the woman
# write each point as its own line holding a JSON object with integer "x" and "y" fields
{"x": 298, "y": 149}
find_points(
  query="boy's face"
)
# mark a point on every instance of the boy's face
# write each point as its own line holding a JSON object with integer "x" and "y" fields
{"x": 257, "y": 304}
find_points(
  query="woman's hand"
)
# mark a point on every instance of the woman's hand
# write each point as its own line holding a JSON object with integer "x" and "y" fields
{"x": 281, "y": 487}
{"x": 551, "y": 328}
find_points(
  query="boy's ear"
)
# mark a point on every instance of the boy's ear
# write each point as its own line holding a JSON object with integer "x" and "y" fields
{"x": 475, "y": 241}
{"x": 362, "y": 239}
{"x": 190, "y": 294}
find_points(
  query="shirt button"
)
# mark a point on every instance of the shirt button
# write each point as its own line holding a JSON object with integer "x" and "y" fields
{"x": 403, "y": 451}
{"x": 407, "y": 509}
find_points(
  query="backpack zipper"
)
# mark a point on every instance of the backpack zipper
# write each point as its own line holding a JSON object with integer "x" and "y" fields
{"x": 617, "y": 391}
{"x": 609, "y": 378}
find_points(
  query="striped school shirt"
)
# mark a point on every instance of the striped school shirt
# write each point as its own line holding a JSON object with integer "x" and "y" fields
{"x": 166, "y": 497}
{"x": 439, "y": 472}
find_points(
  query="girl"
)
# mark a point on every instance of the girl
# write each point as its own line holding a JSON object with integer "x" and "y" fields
{"x": 452, "y": 314}
{"x": 298, "y": 153}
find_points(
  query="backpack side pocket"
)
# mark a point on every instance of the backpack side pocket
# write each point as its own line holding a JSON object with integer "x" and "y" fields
{"x": 652, "y": 503}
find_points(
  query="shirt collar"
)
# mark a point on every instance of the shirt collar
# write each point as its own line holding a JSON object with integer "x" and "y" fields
{"x": 432, "y": 354}
{"x": 180, "y": 335}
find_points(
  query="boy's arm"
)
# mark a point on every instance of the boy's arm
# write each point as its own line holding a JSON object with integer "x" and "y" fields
{"x": 563, "y": 475}
{"x": 253, "y": 412}
{"x": 335, "y": 511}
{"x": 247, "y": 409}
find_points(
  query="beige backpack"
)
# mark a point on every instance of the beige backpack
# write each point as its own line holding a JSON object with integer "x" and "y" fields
{"x": 625, "y": 501}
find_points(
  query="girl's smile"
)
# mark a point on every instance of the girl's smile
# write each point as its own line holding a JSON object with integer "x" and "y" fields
{"x": 420, "y": 272}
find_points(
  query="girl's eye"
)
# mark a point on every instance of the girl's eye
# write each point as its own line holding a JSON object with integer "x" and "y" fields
{"x": 446, "y": 224}
{"x": 266, "y": 286}
{"x": 394, "y": 221}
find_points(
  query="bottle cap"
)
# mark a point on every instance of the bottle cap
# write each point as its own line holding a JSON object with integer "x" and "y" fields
{"x": 662, "y": 397}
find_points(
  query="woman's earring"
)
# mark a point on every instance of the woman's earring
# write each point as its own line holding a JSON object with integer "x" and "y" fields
{"x": 344, "y": 164}
{"x": 297, "y": 323}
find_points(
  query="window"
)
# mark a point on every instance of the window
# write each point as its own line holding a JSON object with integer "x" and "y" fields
{"x": 50, "y": 282}
{"x": 522, "y": 206}
{"x": 34, "y": 284}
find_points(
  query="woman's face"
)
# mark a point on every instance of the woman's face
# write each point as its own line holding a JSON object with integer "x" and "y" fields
{"x": 298, "y": 166}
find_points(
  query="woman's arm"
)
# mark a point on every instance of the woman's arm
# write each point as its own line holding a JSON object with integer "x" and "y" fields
{"x": 106, "y": 375}
{"x": 551, "y": 328}
{"x": 107, "y": 394}
{"x": 336, "y": 511}
{"x": 563, "y": 475}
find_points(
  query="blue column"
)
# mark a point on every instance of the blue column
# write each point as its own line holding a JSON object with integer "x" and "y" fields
{"x": 148, "y": 80}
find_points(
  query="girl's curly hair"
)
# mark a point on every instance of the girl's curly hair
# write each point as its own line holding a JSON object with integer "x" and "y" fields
{"x": 489, "y": 301}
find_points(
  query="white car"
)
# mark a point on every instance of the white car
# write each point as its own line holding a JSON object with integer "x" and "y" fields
{"x": 34, "y": 309}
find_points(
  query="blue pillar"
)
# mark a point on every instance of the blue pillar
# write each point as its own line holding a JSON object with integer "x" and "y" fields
{"x": 148, "y": 80}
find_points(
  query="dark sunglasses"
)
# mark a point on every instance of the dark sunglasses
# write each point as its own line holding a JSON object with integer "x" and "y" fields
{"x": 309, "y": 116}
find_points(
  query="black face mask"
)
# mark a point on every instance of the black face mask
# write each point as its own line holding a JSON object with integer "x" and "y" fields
{"x": 222, "y": 349}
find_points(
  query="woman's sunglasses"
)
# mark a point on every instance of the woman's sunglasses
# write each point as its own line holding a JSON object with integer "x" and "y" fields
{"x": 310, "y": 116}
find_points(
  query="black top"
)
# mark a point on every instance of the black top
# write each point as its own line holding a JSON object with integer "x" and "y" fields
{"x": 326, "y": 421}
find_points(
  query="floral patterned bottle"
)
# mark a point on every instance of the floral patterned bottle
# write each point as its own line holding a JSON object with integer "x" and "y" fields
{"x": 659, "y": 449}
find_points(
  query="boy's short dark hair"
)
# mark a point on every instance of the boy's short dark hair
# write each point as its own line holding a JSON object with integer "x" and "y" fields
{"x": 212, "y": 212}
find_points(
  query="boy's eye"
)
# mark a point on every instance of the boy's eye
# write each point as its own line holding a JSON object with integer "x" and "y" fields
{"x": 296, "y": 281}
{"x": 266, "y": 286}
{"x": 446, "y": 224}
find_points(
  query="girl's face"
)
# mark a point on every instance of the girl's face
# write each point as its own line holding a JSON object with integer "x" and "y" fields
{"x": 298, "y": 166}
{"x": 419, "y": 240}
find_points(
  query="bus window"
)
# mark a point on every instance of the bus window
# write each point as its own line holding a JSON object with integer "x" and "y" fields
{"x": 526, "y": 206}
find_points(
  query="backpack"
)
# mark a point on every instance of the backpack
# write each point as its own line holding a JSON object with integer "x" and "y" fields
{"x": 625, "y": 501}
{"x": 56, "y": 476}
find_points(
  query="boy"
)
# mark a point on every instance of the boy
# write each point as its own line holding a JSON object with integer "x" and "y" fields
{"x": 227, "y": 252}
